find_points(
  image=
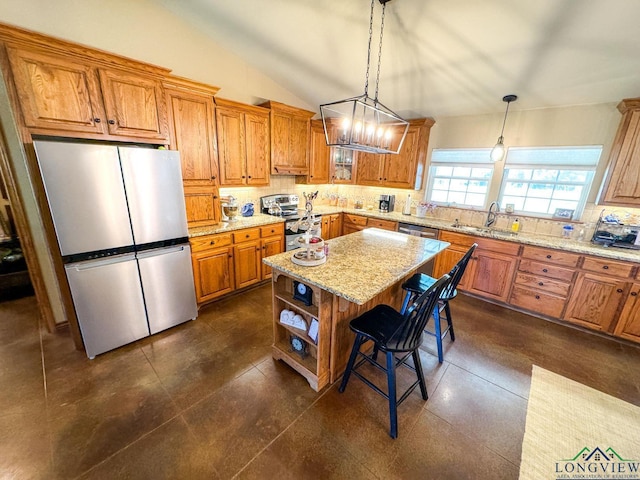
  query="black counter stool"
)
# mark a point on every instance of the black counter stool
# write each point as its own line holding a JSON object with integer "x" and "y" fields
{"x": 421, "y": 282}
{"x": 393, "y": 333}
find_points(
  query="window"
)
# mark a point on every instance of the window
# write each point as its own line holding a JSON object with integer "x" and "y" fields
{"x": 460, "y": 176}
{"x": 539, "y": 180}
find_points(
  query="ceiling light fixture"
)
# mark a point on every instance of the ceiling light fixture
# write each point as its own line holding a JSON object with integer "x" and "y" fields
{"x": 497, "y": 153}
{"x": 362, "y": 123}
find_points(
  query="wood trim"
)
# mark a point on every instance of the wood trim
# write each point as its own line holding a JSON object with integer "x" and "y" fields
{"x": 186, "y": 85}
{"x": 19, "y": 36}
{"x": 223, "y": 102}
{"x": 288, "y": 109}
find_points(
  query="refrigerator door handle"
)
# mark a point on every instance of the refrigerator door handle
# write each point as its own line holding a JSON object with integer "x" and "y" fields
{"x": 88, "y": 265}
{"x": 160, "y": 251}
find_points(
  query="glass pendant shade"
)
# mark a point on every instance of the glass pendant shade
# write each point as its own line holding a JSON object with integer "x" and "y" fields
{"x": 497, "y": 152}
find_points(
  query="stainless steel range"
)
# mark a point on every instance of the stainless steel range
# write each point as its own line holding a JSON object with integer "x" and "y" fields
{"x": 286, "y": 205}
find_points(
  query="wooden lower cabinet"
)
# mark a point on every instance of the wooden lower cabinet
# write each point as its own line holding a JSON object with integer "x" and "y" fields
{"x": 213, "y": 269}
{"x": 331, "y": 226}
{"x": 629, "y": 322}
{"x": 226, "y": 262}
{"x": 595, "y": 301}
{"x": 354, "y": 223}
{"x": 490, "y": 274}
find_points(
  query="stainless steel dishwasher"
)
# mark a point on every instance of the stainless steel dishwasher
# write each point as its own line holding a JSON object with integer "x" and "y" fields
{"x": 424, "y": 232}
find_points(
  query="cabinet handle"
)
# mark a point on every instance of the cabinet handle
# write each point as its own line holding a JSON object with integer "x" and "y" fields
{"x": 97, "y": 120}
{"x": 213, "y": 177}
{"x": 545, "y": 270}
{"x": 213, "y": 242}
{"x": 605, "y": 267}
{"x": 246, "y": 236}
{"x": 537, "y": 297}
{"x": 112, "y": 122}
{"x": 264, "y": 248}
{"x": 243, "y": 176}
{"x": 257, "y": 249}
{"x": 230, "y": 256}
{"x": 215, "y": 196}
{"x": 633, "y": 294}
{"x": 540, "y": 283}
{"x": 619, "y": 290}
{"x": 249, "y": 176}
{"x": 548, "y": 256}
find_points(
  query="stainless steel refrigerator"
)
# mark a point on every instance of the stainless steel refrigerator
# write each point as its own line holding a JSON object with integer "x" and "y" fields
{"x": 120, "y": 221}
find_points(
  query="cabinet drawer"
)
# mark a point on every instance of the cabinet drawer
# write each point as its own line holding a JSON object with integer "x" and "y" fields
{"x": 206, "y": 242}
{"x": 270, "y": 230}
{"x": 556, "y": 257}
{"x": 246, "y": 234}
{"x": 508, "y": 248}
{"x": 456, "y": 238}
{"x": 609, "y": 267}
{"x": 541, "y": 283}
{"x": 536, "y": 301}
{"x": 355, "y": 219}
{"x": 384, "y": 224}
{"x": 538, "y": 268}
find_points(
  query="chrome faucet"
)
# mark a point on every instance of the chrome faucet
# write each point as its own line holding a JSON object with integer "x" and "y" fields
{"x": 492, "y": 214}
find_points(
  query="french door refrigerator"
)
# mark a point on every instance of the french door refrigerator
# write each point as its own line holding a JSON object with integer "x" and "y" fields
{"x": 120, "y": 220}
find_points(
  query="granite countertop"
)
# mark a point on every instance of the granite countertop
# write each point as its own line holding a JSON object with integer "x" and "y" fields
{"x": 363, "y": 264}
{"x": 256, "y": 220}
{"x": 535, "y": 239}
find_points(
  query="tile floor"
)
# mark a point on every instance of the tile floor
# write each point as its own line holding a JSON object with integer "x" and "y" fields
{"x": 205, "y": 400}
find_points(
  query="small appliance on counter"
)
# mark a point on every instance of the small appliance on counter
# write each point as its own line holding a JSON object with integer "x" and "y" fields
{"x": 230, "y": 209}
{"x": 386, "y": 203}
{"x": 610, "y": 232}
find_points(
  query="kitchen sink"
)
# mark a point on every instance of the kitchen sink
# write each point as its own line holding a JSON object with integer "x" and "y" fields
{"x": 485, "y": 231}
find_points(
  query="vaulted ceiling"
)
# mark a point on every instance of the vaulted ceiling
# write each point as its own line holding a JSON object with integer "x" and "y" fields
{"x": 440, "y": 57}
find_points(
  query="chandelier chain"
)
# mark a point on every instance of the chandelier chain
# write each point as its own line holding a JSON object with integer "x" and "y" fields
{"x": 366, "y": 79}
{"x": 380, "y": 52}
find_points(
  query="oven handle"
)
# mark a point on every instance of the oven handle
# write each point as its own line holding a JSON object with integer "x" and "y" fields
{"x": 417, "y": 233}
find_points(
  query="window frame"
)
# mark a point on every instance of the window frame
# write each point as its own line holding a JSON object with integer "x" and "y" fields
{"x": 586, "y": 164}
{"x": 478, "y": 158}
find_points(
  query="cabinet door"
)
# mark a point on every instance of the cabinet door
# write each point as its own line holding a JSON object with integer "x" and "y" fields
{"x": 247, "y": 260}
{"x": 622, "y": 185}
{"x": 134, "y": 104}
{"x": 369, "y": 169}
{"x": 335, "y": 225}
{"x": 629, "y": 323}
{"x": 202, "y": 205}
{"x": 595, "y": 300}
{"x": 231, "y": 146}
{"x": 257, "y": 148}
{"x": 57, "y": 94}
{"x": 326, "y": 227}
{"x": 400, "y": 170}
{"x": 491, "y": 274}
{"x": 213, "y": 273}
{"x": 193, "y": 134}
{"x": 446, "y": 259}
{"x": 319, "y": 157}
{"x": 299, "y": 144}
{"x": 270, "y": 246}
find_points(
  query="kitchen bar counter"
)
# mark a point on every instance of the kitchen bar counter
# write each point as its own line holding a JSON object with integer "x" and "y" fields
{"x": 363, "y": 269}
{"x": 363, "y": 264}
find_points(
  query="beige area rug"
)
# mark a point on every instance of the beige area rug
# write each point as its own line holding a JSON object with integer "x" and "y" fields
{"x": 576, "y": 432}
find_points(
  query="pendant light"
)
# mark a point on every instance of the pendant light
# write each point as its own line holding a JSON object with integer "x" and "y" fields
{"x": 363, "y": 123}
{"x": 497, "y": 153}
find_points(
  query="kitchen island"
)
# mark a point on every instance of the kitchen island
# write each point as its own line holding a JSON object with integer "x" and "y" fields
{"x": 363, "y": 269}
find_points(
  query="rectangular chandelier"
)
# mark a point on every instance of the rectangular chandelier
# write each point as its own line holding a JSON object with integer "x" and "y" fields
{"x": 360, "y": 123}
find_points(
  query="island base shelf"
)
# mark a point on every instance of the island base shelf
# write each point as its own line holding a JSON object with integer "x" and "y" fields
{"x": 299, "y": 364}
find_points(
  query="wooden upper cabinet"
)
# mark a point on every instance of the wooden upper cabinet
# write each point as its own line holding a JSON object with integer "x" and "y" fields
{"x": 622, "y": 182}
{"x": 56, "y": 93}
{"x": 290, "y": 127}
{"x": 66, "y": 90}
{"x": 404, "y": 170}
{"x": 134, "y": 105}
{"x": 243, "y": 143}
{"x": 319, "y": 155}
{"x": 192, "y": 130}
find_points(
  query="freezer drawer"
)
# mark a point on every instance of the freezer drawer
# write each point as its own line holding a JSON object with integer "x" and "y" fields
{"x": 107, "y": 296}
{"x": 167, "y": 281}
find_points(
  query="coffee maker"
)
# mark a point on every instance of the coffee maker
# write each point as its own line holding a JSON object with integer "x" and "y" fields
{"x": 386, "y": 203}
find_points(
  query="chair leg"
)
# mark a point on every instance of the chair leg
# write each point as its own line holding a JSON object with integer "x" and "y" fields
{"x": 393, "y": 401}
{"x": 405, "y": 302}
{"x": 352, "y": 360}
{"x": 447, "y": 311}
{"x": 418, "y": 366}
{"x": 438, "y": 332}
